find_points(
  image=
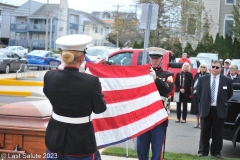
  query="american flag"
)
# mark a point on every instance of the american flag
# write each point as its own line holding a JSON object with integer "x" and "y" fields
{"x": 134, "y": 105}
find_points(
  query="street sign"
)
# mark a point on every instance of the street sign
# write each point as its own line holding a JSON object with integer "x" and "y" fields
{"x": 148, "y": 21}
{"x": 144, "y": 16}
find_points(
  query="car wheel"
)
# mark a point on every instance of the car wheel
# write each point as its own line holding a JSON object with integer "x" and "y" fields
{"x": 7, "y": 69}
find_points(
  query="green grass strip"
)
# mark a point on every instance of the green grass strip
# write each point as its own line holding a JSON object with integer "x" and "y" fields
{"x": 121, "y": 152}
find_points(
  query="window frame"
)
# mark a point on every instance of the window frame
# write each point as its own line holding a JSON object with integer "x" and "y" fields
{"x": 234, "y": 2}
{"x": 224, "y": 22}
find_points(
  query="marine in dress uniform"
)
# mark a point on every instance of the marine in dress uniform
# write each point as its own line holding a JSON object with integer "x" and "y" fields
{"x": 164, "y": 82}
{"x": 74, "y": 96}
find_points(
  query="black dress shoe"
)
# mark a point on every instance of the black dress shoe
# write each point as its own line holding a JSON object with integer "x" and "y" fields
{"x": 217, "y": 156}
{"x": 202, "y": 155}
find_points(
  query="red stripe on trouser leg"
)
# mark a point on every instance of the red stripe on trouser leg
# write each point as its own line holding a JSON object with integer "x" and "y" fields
{"x": 163, "y": 146}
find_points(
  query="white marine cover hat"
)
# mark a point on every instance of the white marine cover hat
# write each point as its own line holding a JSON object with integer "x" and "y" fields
{"x": 74, "y": 42}
{"x": 155, "y": 52}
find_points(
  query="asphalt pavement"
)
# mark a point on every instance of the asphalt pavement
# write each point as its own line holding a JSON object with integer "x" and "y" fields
{"x": 181, "y": 138}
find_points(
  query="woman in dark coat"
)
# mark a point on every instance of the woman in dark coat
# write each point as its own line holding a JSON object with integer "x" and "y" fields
{"x": 202, "y": 70}
{"x": 183, "y": 85}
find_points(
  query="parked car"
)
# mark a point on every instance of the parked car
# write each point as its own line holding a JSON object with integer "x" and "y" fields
{"x": 194, "y": 63}
{"x": 10, "y": 61}
{"x": 41, "y": 57}
{"x": 97, "y": 53}
{"x": 19, "y": 50}
{"x": 206, "y": 60}
{"x": 213, "y": 56}
{"x": 2, "y": 45}
{"x": 62, "y": 65}
{"x": 231, "y": 130}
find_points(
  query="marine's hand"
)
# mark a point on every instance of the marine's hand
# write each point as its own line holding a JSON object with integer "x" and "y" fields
{"x": 182, "y": 90}
{"x": 152, "y": 73}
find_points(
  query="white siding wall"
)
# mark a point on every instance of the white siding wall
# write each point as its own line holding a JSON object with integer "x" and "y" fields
{"x": 212, "y": 8}
{"x": 99, "y": 37}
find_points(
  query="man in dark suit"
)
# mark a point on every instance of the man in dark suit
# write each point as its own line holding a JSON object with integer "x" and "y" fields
{"x": 214, "y": 91}
{"x": 226, "y": 70}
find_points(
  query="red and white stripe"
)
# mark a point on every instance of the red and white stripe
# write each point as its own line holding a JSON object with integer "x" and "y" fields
{"x": 133, "y": 103}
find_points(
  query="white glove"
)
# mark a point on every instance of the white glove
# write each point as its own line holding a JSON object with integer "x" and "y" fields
{"x": 152, "y": 73}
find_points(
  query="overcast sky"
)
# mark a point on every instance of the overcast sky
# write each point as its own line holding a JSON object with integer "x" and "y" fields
{"x": 87, "y": 5}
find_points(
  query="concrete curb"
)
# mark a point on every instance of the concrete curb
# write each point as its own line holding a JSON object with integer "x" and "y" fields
{"x": 14, "y": 82}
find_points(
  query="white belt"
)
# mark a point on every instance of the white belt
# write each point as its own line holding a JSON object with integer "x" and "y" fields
{"x": 163, "y": 98}
{"x": 70, "y": 120}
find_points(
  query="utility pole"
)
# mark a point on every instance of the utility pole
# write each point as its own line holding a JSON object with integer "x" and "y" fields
{"x": 46, "y": 36}
{"x": 117, "y": 43}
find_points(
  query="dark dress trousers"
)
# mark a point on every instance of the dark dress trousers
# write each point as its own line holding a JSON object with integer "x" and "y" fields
{"x": 212, "y": 117}
{"x": 72, "y": 94}
{"x": 186, "y": 85}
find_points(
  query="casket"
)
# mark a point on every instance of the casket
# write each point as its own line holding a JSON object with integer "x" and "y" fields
{"x": 22, "y": 129}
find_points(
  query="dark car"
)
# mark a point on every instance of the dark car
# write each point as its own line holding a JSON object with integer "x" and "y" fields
{"x": 231, "y": 129}
{"x": 10, "y": 61}
{"x": 41, "y": 57}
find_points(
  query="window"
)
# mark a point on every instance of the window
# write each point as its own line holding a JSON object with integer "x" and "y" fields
{"x": 95, "y": 42}
{"x": 230, "y": 2}
{"x": 140, "y": 56}
{"x": 124, "y": 59}
{"x": 191, "y": 27}
{"x": 227, "y": 26}
{"x": 96, "y": 29}
{"x": 35, "y": 21}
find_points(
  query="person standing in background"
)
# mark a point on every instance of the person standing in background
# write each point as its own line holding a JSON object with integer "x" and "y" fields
{"x": 202, "y": 70}
{"x": 214, "y": 91}
{"x": 234, "y": 74}
{"x": 226, "y": 70}
{"x": 183, "y": 83}
{"x": 184, "y": 58}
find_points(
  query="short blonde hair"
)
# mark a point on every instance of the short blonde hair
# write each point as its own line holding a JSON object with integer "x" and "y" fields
{"x": 184, "y": 64}
{"x": 69, "y": 56}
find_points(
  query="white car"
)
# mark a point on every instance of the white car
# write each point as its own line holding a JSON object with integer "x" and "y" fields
{"x": 97, "y": 53}
{"x": 19, "y": 50}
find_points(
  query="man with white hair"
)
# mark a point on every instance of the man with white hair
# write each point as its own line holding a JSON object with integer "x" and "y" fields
{"x": 234, "y": 74}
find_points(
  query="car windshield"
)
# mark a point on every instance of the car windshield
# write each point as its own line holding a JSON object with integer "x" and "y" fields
{"x": 95, "y": 51}
{"x": 2, "y": 54}
{"x": 212, "y": 56}
{"x": 236, "y": 62}
{"x": 35, "y": 53}
{"x": 9, "y": 48}
{"x": 207, "y": 61}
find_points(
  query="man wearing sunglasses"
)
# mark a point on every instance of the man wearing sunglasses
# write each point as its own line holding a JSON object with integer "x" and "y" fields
{"x": 214, "y": 91}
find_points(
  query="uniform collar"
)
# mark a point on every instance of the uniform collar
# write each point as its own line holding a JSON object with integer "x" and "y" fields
{"x": 68, "y": 68}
